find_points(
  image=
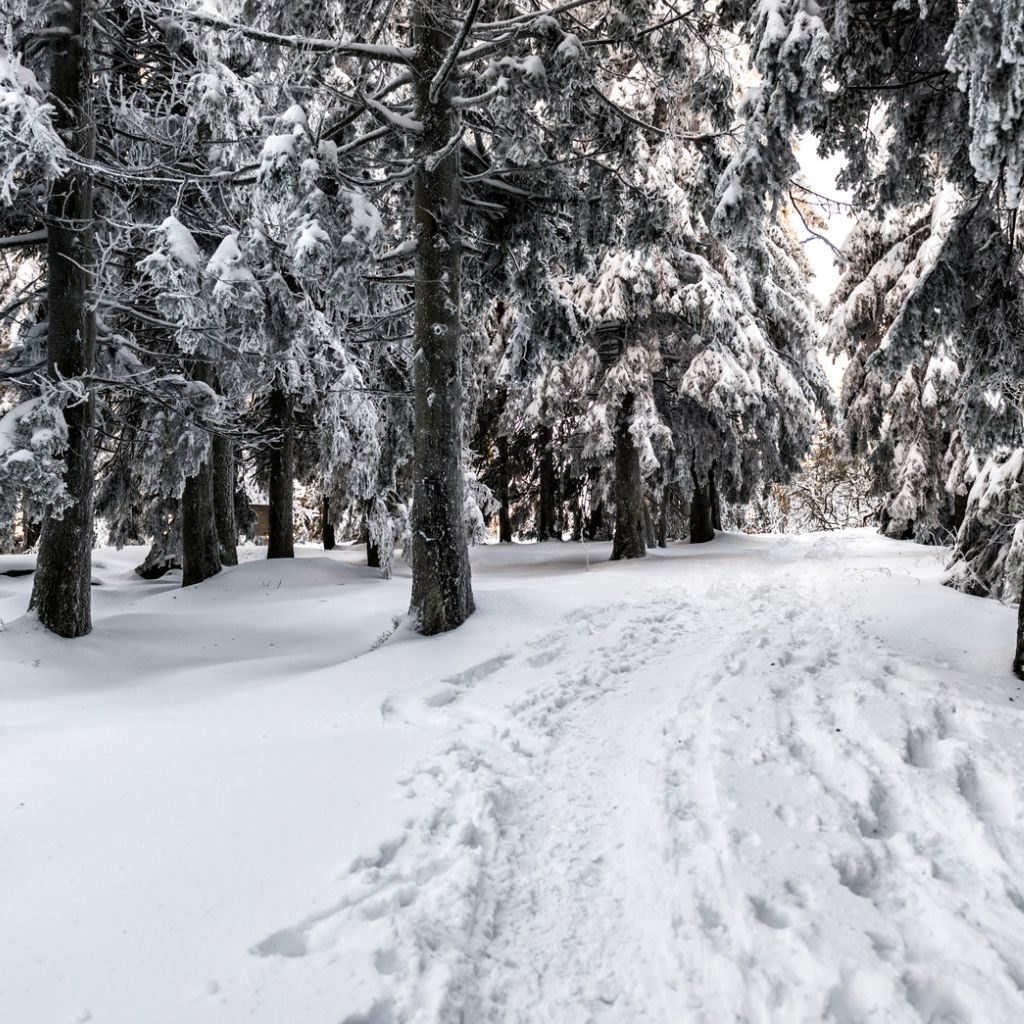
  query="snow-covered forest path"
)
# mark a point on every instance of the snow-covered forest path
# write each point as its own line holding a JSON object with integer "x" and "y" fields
{"x": 770, "y": 781}
{"x": 735, "y": 805}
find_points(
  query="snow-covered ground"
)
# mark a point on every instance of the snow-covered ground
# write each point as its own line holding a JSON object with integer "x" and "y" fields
{"x": 764, "y": 780}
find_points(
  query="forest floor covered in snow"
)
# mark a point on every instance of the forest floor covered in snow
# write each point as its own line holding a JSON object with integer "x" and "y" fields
{"x": 769, "y": 779}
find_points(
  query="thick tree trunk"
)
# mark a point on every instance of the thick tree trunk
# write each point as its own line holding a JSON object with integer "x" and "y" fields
{"x": 716, "y": 501}
{"x": 281, "y": 483}
{"x": 224, "y": 499}
{"x": 200, "y": 547}
{"x": 595, "y": 525}
{"x": 504, "y": 516}
{"x": 666, "y": 499}
{"x": 959, "y": 511}
{"x": 372, "y": 550}
{"x": 578, "y": 521}
{"x": 1018, "y": 656}
{"x": 327, "y": 525}
{"x": 702, "y": 514}
{"x": 547, "y": 508}
{"x": 442, "y": 594}
{"x": 630, "y": 539}
{"x": 60, "y": 592}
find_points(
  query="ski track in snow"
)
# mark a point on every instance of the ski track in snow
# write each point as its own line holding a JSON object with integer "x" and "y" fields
{"x": 785, "y": 822}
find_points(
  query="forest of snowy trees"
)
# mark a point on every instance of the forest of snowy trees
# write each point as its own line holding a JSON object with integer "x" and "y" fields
{"x": 538, "y": 267}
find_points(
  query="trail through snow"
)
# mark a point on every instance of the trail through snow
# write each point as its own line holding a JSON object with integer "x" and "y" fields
{"x": 762, "y": 781}
{"x": 682, "y": 821}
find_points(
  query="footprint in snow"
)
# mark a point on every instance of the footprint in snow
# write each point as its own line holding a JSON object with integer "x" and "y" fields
{"x": 921, "y": 747}
{"x": 992, "y": 797}
{"x": 771, "y": 914}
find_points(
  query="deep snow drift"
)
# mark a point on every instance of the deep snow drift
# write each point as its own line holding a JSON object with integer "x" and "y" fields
{"x": 763, "y": 780}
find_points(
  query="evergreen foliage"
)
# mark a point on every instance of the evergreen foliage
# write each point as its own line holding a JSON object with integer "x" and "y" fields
{"x": 437, "y": 264}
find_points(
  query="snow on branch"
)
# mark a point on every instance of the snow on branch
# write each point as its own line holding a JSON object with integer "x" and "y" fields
{"x": 373, "y": 51}
{"x": 391, "y": 117}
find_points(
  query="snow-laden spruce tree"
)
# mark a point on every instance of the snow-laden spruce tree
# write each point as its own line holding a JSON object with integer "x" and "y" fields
{"x": 927, "y": 105}
{"x": 630, "y": 348}
{"x": 123, "y": 149}
{"x": 703, "y": 372}
{"x": 47, "y": 140}
{"x": 899, "y": 388}
{"x": 464, "y": 69}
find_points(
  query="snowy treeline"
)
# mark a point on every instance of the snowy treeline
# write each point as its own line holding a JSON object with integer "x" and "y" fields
{"x": 440, "y": 264}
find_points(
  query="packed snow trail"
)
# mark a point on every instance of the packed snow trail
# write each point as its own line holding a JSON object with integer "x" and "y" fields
{"x": 727, "y": 805}
{"x": 767, "y": 779}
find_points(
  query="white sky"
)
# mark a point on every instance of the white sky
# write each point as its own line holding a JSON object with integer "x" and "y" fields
{"x": 820, "y": 175}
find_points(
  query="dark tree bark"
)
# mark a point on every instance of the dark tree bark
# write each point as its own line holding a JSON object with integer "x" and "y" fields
{"x": 281, "y": 482}
{"x": 1018, "y": 655}
{"x": 547, "y": 508}
{"x": 372, "y": 550}
{"x": 702, "y": 514}
{"x": 224, "y": 499}
{"x": 716, "y": 501}
{"x": 666, "y": 501}
{"x": 630, "y": 539}
{"x": 165, "y": 550}
{"x": 327, "y": 525}
{"x": 442, "y": 594}
{"x": 504, "y": 516}
{"x": 595, "y": 528}
{"x": 372, "y": 553}
{"x": 29, "y": 534}
{"x": 60, "y": 592}
{"x": 651, "y": 534}
{"x": 200, "y": 547}
{"x": 573, "y": 518}
{"x": 156, "y": 565}
{"x": 959, "y": 511}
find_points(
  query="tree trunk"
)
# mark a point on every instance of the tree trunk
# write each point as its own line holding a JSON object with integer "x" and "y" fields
{"x": 594, "y": 526}
{"x": 702, "y": 524}
{"x": 504, "y": 516}
{"x": 327, "y": 525}
{"x": 716, "y": 501}
{"x": 60, "y": 592}
{"x": 29, "y": 533}
{"x": 959, "y": 511}
{"x": 165, "y": 550}
{"x": 156, "y": 564}
{"x": 547, "y": 510}
{"x": 224, "y": 499}
{"x": 442, "y": 594}
{"x": 1018, "y": 656}
{"x": 200, "y": 548}
{"x": 280, "y": 539}
{"x": 630, "y": 539}
{"x": 666, "y": 499}
{"x": 372, "y": 552}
